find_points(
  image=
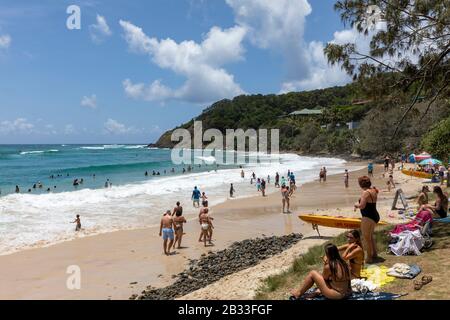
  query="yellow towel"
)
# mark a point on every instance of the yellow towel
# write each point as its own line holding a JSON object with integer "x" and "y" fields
{"x": 377, "y": 275}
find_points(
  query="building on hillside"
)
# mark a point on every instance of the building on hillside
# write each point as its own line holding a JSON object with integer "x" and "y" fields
{"x": 306, "y": 113}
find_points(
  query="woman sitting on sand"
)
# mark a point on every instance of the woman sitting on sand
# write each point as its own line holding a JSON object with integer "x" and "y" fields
{"x": 370, "y": 216}
{"x": 353, "y": 253}
{"x": 440, "y": 207}
{"x": 423, "y": 196}
{"x": 333, "y": 282}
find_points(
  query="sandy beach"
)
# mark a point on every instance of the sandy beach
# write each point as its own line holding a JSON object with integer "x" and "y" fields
{"x": 119, "y": 264}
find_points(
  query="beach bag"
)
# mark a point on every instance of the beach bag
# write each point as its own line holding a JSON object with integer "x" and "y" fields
{"x": 409, "y": 242}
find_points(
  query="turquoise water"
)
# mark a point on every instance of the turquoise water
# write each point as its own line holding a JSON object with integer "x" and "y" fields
{"x": 26, "y": 165}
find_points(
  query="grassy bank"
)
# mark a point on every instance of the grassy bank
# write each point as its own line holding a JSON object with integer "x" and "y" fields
{"x": 434, "y": 262}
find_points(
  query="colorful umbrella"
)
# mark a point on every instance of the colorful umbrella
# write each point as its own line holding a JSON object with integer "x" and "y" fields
{"x": 422, "y": 156}
{"x": 430, "y": 162}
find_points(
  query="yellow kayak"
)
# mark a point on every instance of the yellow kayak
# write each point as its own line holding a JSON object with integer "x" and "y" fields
{"x": 333, "y": 221}
{"x": 417, "y": 174}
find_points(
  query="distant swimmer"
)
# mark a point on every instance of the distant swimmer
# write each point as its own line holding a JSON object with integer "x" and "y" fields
{"x": 78, "y": 222}
{"x": 48, "y": 189}
{"x": 107, "y": 183}
{"x": 231, "y": 191}
{"x": 34, "y": 186}
{"x": 39, "y": 185}
{"x": 196, "y": 197}
{"x": 173, "y": 170}
{"x": 153, "y": 173}
{"x": 166, "y": 231}
{"x": 253, "y": 175}
{"x": 17, "y": 189}
{"x": 75, "y": 182}
{"x": 242, "y": 174}
{"x": 29, "y": 190}
{"x": 81, "y": 181}
{"x": 158, "y": 174}
{"x": 146, "y": 174}
{"x": 184, "y": 170}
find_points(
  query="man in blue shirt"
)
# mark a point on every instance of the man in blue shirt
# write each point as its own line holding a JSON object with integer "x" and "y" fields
{"x": 196, "y": 197}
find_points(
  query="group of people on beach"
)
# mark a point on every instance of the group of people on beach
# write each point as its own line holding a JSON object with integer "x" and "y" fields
{"x": 171, "y": 225}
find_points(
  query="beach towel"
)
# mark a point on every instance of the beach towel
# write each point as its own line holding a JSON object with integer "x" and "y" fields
{"x": 377, "y": 275}
{"x": 409, "y": 242}
{"x": 404, "y": 271}
{"x": 356, "y": 296}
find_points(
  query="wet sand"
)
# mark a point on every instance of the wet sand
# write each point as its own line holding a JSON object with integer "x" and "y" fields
{"x": 118, "y": 264}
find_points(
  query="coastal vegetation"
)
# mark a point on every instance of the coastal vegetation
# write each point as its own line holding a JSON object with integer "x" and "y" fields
{"x": 396, "y": 103}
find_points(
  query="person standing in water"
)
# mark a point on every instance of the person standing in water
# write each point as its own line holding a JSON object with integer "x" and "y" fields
{"x": 78, "y": 223}
{"x": 324, "y": 174}
{"x": 166, "y": 231}
{"x": 242, "y": 174}
{"x": 204, "y": 200}
{"x": 196, "y": 197}
{"x": 17, "y": 189}
{"x": 231, "y": 191}
{"x": 263, "y": 187}
{"x": 277, "y": 180}
{"x": 346, "y": 177}
{"x": 321, "y": 175}
{"x": 285, "y": 198}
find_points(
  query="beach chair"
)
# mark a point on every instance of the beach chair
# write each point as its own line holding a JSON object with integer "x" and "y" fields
{"x": 426, "y": 233}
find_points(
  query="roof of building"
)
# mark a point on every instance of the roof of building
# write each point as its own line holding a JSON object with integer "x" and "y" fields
{"x": 306, "y": 112}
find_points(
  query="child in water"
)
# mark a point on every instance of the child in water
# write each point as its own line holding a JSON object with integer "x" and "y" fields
{"x": 78, "y": 222}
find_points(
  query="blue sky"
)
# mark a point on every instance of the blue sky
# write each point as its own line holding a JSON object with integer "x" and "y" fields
{"x": 138, "y": 68}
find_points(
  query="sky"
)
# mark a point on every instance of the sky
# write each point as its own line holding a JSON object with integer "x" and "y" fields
{"x": 137, "y": 68}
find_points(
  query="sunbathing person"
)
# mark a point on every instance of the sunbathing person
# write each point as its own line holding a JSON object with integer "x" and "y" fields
{"x": 423, "y": 196}
{"x": 424, "y": 216}
{"x": 353, "y": 253}
{"x": 440, "y": 207}
{"x": 333, "y": 282}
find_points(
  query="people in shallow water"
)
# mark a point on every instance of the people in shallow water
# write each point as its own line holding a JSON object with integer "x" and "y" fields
{"x": 146, "y": 173}
{"x": 17, "y": 189}
{"x": 78, "y": 223}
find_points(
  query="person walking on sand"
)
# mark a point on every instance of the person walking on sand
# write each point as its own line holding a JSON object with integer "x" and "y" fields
{"x": 283, "y": 181}
{"x": 324, "y": 174}
{"x": 277, "y": 180}
{"x": 78, "y": 223}
{"x": 206, "y": 227}
{"x": 166, "y": 231}
{"x": 285, "y": 198}
{"x": 346, "y": 178}
{"x": 178, "y": 222}
{"x": 231, "y": 191}
{"x": 263, "y": 187}
{"x": 176, "y": 209}
{"x": 196, "y": 197}
{"x": 386, "y": 163}
{"x": 242, "y": 174}
{"x": 390, "y": 183}
{"x": 370, "y": 169}
{"x": 370, "y": 216}
{"x": 204, "y": 200}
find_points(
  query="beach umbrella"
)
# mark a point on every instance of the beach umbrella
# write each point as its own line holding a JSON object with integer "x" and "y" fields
{"x": 422, "y": 156}
{"x": 430, "y": 162}
{"x": 412, "y": 158}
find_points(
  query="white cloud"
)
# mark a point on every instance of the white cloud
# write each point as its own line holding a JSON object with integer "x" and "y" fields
{"x": 100, "y": 30}
{"x": 90, "y": 102}
{"x": 114, "y": 127}
{"x": 69, "y": 129}
{"x": 279, "y": 26}
{"x": 5, "y": 41}
{"x": 20, "y": 125}
{"x": 200, "y": 63}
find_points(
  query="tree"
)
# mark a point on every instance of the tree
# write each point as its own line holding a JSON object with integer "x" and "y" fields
{"x": 410, "y": 52}
{"x": 437, "y": 140}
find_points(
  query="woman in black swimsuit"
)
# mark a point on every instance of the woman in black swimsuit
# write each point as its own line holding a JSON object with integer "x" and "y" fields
{"x": 370, "y": 217}
{"x": 440, "y": 206}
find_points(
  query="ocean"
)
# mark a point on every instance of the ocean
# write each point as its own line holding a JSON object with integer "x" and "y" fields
{"x": 38, "y": 217}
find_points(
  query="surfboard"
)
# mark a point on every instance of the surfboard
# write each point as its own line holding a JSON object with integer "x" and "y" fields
{"x": 333, "y": 221}
{"x": 417, "y": 174}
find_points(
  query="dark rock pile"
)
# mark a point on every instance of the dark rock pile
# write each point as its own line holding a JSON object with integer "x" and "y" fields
{"x": 216, "y": 265}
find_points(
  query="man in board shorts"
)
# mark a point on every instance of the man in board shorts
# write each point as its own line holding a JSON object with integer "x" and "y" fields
{"x": 166, "y": 231}
{"x": 196, "y": 197}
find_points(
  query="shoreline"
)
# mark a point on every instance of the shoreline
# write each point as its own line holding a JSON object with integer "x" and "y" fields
{"x": 119, "y": 264}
